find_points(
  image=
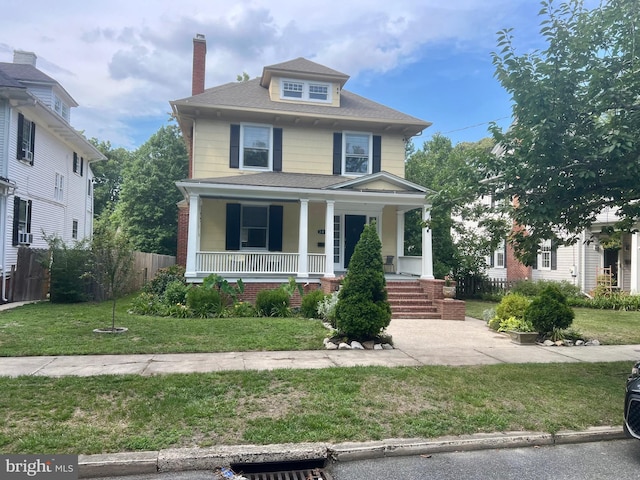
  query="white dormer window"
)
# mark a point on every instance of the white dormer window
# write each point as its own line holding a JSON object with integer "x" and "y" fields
{"x": 60, "y": 107}
{"x": 305, "y": 91}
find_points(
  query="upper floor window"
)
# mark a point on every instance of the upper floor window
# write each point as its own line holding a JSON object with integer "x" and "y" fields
{"x": 58, "y": 192}
{"x": 305, "y": 91}
{"x": 26, "y": 139}
{"x": 78, "y": 164}
{"x": 499, "y": 255}
{"x": 256, "y": 146}
{"x": 60, "y": 107}
{"x": 357, "y": 153}
{"x": 74, "y": 229}
{"x": 545, "y": 255}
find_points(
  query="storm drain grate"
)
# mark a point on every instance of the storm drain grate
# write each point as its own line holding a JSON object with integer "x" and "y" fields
{"x": 306, "y": 474}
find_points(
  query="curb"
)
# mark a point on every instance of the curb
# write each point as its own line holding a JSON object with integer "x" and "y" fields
{"x": 175, "y": 460}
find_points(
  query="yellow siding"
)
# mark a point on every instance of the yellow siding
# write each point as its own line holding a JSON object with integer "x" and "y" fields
{"x": 388, "y": 237}
{"x": 316, "y": 222}
{"x": 212, "y": 230}
{"x": 304, "y": 150}
{"x": 382, "y": 185}
{"x": 290, "y": 230}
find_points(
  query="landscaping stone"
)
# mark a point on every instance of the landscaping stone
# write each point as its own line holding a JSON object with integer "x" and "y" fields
{"x": 344, "y": 346}
{"x": 331, "y": 346}
{"x": 377, "y": 346}
{"x": 579, "y": 343}
{"x": 356, "y": 345}
{"x": 386, "y": 346}
{"x": 548, "y": 343}
{"x": 370, "y": 345}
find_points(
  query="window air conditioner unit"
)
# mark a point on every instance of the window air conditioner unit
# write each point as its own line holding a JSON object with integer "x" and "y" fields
{"x": 25, "y": 238}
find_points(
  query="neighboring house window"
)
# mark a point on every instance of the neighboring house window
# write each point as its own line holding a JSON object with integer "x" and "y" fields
{"x": 545, "y": 255}
{"x": 22, "y": 221}
{"x": 255, "y": 147}
{"x": 26, "y": 139}
{"x": 305, "y": 91}
{"x": 257, "y": 227}
{"x": 254, "y": 227}
{"x": 341, "y": 142}
{"x": 499, "y": 255}
{"x": 89, "y": 187}
{"x": 78, "y": 164}
{"x": 58, "y": 193}
{"x": 357, "y": 154}
{"x": 74, "y": 229}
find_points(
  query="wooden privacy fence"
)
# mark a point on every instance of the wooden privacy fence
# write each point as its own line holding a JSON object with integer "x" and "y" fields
{"x": 29, "y": 278}
{"x": 474, "y": 287}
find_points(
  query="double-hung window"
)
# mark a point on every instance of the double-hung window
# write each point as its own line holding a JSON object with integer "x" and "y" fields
{"x": 74, "y": 229}
{"x": 78, "y": 164}
{"x": 58, "y": 191}
{"x": 26, "y": 139}
{"x": 499, "y": 255}
{"x": 22, "y": 221}
{"x": 254, "y": 226}
{"x": 256, "y": 147}
{"x": 292, "y": 89}
{"x": 357, "y": 153}
{"x": 545, "y": 255}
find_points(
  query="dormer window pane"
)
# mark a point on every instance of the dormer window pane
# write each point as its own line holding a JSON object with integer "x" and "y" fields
{"x": 318, "y": 92}
{"x": 292, "y": 89}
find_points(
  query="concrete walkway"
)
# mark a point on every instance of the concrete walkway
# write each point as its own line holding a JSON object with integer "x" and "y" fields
{"x": 417, "y": 342}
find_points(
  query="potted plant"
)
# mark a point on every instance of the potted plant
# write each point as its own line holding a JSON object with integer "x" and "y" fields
{"x": 449, "y": 288}
{"x": 521, "y": 331}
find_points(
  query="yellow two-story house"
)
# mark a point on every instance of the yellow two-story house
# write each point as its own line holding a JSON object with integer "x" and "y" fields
{"x": 286, "y": 170}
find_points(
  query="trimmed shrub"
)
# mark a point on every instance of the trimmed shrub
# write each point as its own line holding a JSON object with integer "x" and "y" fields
{"x": 205, "y": 302}
{"x": 512, "y": 305}
{"x": 363, "y": 310}
{"x": 164, "y": 277}
{"x": 549, "y": 311}
{"x": 175, "y": 293}
{"x": 309, "y": 305}
{"x": 530, "y": 288}
{"x": 273, "y": 303}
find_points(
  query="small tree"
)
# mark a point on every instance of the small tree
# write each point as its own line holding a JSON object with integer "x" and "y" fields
{"x": 363, "y": 311}
{"x": 549, "y": 311}
{"x": 112, "y": 258}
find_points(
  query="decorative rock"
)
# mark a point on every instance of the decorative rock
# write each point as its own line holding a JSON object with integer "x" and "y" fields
{"x": 559, "y": 343}
{"x": 595, "y": 342}
{"x": 344, "y": 346}
{"x": 568, "y": 343}
{"x": 579, "y": 343}
{"x": 356, "y": 345}
{"x": 377, "y": 346}
{"x": 548, "y": 343}
{"x": 386, "y": 346}
{"x": 368, "y": 345}
{"x": 331, "y": 346}
{"x": 325, "y": 341}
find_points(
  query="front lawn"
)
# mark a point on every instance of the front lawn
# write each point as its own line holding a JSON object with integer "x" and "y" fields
{"x": 63, "y": 329}
{"x": 132, "y": 413}
{"x": 610, "y": 327}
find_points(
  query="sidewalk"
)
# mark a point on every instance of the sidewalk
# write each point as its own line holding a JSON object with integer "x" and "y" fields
{"x": 417, "y": 342}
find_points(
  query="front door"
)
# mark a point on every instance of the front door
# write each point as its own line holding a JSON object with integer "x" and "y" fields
{"x": 611, "y": 261}
{"x": 353, "y": 226}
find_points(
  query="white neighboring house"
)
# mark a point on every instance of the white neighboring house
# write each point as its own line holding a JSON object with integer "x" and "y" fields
{"x": 46, "y": 182}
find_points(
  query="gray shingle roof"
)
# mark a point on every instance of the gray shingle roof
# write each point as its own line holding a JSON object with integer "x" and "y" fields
{"x": 302, "y": 65}
{"x": 250, "y": 95}
{"x": 8, "y": 81}
{"x": 25, "y": 72}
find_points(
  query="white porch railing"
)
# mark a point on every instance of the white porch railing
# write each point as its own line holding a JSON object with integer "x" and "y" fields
{"x": 256, "y": 262}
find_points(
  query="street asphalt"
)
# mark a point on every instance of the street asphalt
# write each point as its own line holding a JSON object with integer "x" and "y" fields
{"x": 417, "y": 343}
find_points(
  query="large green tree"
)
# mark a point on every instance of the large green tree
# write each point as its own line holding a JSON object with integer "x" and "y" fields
{"x": 574, "y": 146}
{"x": 148, "y": 195}
{"x": 454, "y": 173}
{"x": 107, "y": 178}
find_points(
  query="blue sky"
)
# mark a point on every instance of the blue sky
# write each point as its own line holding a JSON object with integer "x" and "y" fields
{"x": 124, "y": 60}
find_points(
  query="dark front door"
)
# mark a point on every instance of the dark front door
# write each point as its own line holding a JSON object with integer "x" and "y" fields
{"x": 353, "y": 226}
{"x": 611, "y": 261}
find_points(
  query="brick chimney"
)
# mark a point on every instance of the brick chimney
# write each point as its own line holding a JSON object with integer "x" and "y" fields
{"x": 24, "y": 58}
{"x": 199, "y": 60}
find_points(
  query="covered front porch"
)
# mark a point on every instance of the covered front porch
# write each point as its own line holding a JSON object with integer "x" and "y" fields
{"x": 240, "y": 231}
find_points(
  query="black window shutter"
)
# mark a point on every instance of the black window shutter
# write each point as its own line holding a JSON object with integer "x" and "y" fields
{"x": 20, "y": 154}
{"x": 504, "y": 261}
{"x": 16, "y": 220}
{"x": 491, "y": 260}
{"x": 275, "y": 228}
{"x": 337, "y": 153}
{"x": 29, "y": 207}
{"x": 75, "y": 162}
{"x": 81, "y": 165}
{"x": 535, "y": 261}
{"x": 554, "y": 256}
{"x": 277, "y": 149}
{"x": 233, "y": 227}
{"x": 33, "y": 142}
{"x": 377, "y": 154}
{"x": 234, "y": 149}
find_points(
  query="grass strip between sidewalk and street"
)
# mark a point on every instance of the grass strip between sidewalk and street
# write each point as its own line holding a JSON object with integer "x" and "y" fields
{"x": 133, "y": 413}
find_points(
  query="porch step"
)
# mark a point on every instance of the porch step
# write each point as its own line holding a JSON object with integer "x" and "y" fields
{"x": 408, "y": 300}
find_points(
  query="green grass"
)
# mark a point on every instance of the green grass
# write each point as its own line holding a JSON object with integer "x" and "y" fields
{"x": 133, "y": 413}
{"x": 55, "y": 329}
{"x": 610, "y": 327}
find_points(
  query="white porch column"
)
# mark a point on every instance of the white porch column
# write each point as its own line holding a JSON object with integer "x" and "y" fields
{"x": 635, "y": 263}
{"x": 328, "y": 240}
{"x": 303, "y": 239}
{"x": 193, "y": 236}
{"x": 427, "y": 250}
{"x": 399, "y": 238}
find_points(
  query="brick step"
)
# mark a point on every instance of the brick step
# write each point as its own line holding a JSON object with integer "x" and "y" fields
{"x": 413, "y": 308}
{"x": 420, "y": 315}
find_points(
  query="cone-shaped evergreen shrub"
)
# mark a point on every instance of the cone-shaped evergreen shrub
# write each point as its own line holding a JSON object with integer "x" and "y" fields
{"x": 363, "y": 310}
{"x": 549, "y": 311}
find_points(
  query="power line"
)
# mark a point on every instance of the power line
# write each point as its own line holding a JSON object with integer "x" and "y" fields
{"x": 476, "y": 125}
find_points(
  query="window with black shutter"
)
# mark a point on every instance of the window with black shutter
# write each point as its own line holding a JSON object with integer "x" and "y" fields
{"x": 26, "y": 139}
